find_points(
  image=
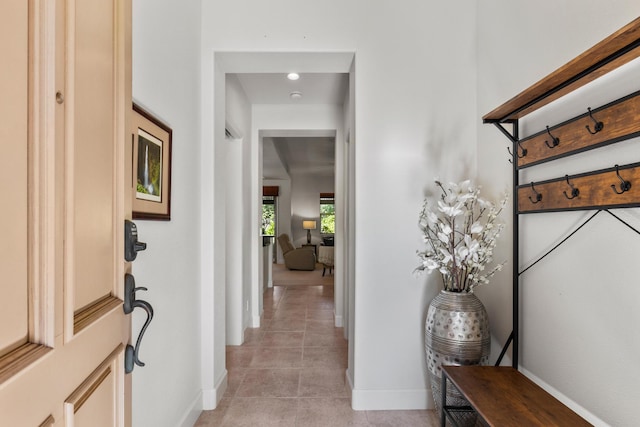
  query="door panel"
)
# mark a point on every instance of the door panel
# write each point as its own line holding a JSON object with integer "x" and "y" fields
{"x": 45, "y": 386}
{"x": 13, "y": 173}
{"x": 97, "y": 410}
{"x": 67, "y": 95}
{"x": 90, "y": 104}
{"x": 93, "y": 403}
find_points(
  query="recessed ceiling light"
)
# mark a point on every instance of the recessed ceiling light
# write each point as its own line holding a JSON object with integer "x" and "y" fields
{"x": 295, "y": 95}
{"x": 293, "y": 76}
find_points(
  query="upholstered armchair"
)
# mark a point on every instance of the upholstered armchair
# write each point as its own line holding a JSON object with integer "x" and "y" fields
{"x": 296, "y": 259}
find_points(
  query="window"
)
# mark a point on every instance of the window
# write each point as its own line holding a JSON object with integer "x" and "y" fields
{"x": 269, "y": 197}
{"x": 268, "y": 215}
{"x": 327, "y": 213}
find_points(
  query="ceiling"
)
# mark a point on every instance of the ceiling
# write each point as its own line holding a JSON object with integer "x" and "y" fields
{"x": 283, "y": 156}
{"x": 275, "y": 88}
{"x": 286, "y": 154}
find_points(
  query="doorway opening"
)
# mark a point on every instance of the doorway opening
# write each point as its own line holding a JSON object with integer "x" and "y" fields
{"x": 257, "y": 121}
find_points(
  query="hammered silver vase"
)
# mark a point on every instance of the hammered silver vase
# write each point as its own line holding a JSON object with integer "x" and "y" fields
{"x": 456, "y": 333}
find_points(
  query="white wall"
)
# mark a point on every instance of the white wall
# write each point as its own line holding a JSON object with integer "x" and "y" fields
{"x": 166, "y": 58}
{"x": 415, "y": 112}
{"x": 234, "y": 289}
{"x": 578, "y": 305}
{"x": 415, "y": 115}
{"x": 237, "y": 230}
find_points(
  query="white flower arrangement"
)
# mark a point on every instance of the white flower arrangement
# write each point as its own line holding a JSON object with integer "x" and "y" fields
{"x": 460, "y": 234}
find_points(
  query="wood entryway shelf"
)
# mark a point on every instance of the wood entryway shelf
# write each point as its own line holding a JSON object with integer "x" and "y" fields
{"x": 614, "y": 51}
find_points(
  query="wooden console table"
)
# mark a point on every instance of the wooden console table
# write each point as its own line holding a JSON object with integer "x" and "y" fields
{"x": 503, "y": 396}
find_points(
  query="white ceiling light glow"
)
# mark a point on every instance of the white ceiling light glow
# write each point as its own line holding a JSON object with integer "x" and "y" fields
{"x": 293, "y": 76}
{"x": 295, "y": 95}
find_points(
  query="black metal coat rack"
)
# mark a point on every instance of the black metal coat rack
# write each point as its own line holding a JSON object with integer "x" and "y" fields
{"x": 615, "y": 187}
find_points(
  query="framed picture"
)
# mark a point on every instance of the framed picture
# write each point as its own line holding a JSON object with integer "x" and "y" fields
{"x": 151, "y": 166}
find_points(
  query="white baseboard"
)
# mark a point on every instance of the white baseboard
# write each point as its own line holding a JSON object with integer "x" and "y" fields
{"x": 390, "y": 400}
{"x": 338, "y": 321}
{"x": 192, "y": 413}
{"x": 211, "y": 397}
{"x": 255, "y": 321}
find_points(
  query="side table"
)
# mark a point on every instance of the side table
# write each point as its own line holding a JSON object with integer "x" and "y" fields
{"x": 311, "y": 246}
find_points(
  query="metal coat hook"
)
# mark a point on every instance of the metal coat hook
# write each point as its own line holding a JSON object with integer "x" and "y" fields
{"x": 598, "y": 125}
{"x": 524, "y": 151}
{"x": 574, "y": 191}
{"x": 624, "y": 185}
{"x": 538, "y": 195}
{"x": 555, "y": 141}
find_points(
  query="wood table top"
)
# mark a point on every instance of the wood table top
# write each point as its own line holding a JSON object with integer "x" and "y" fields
{"x": 503, "y": 396}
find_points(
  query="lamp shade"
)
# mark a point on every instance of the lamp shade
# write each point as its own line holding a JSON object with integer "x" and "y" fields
{"x": 309, "y": 225}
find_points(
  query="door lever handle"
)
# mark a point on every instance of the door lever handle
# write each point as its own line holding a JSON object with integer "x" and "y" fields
{"x": 130, "y": 293}
{"x": 130, "y": 304}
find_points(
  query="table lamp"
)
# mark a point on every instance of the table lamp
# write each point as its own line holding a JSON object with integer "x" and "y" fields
{"x": 309, "y": 225}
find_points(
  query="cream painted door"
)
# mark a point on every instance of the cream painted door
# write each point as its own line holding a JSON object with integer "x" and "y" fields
{"x": 64, "y": 110}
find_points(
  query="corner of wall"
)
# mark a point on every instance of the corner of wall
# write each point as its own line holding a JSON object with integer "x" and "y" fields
{"x": 339, "y": 323}
{"x": 211, "y": 397}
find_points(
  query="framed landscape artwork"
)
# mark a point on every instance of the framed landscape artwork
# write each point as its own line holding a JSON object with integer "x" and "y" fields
{"x": 151, "y": 166}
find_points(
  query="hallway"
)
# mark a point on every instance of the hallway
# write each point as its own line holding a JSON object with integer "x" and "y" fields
{"x": 291, "y": 371}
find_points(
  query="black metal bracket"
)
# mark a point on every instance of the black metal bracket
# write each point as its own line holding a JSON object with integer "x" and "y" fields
{"x": 131, "y": 303}
{"x": 504, "y": 349}
{"x": 513, "y": 138}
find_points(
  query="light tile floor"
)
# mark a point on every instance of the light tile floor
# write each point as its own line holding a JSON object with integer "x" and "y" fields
{"x": 291, "y": 371}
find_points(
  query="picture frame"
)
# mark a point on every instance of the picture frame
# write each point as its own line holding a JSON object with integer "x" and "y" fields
{"x": 151, "y": 177}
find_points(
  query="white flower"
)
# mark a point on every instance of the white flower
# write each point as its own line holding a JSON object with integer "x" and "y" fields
{"x": 430, "y": 264}
{"x": 446, "y": 256}
{"x": 448, "y": 210}
{"x": 476, "y": 228}
{"x": 460, "y": 232}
